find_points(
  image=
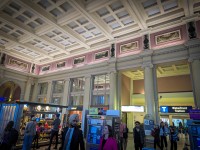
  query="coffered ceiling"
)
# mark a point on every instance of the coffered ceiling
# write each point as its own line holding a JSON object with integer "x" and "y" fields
{"x": 42, "y": 31}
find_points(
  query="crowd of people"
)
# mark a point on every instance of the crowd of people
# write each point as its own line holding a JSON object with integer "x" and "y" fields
{"x": 72, "y": 136}
{"x": 162, "y": 132}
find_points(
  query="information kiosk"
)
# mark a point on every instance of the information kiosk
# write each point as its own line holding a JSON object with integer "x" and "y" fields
{"x": 95, "y": 125}
{"x": 194, "y": 134}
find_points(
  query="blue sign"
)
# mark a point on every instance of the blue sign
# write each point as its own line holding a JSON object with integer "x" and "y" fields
{"x": 164, "y": 109}
{"x": 175, "y": 109}
{"x": 2, "y": 99}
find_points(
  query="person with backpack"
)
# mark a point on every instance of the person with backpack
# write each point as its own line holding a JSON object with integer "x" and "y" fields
{"x": 29, "y": 134}
{"x": 10, "y": 137}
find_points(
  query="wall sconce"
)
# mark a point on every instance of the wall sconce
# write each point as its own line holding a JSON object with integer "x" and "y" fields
{"x": 39, "y": 107}
{"x": 47, "y": 108}
{"x": 25, "y": 107}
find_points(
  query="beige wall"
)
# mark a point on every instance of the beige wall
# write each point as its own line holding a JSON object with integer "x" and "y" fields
{"x": 125, "y": 90}
{"x": 166, "y": 84}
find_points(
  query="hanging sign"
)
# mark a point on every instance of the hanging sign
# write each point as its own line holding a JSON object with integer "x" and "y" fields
{"x": 175, "y": 109}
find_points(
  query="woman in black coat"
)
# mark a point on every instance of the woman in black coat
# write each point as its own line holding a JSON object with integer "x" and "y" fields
{"x": 72, "y": 137}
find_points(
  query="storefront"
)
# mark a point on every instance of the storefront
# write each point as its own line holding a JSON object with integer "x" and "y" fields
{"x": 75, "y": 110}
{"x": 21, "y": 111}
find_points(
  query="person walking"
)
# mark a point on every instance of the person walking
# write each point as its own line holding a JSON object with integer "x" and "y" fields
{"x": 163, "y": 135}
{"x": 29, "y": 134}
{"x": 54, "y": 131}
{"x": 125, "y": 137}
{"x": 107, "y": 142}
{"x": 10, "y": 137}
{"x": 156, "y": 134}
{"x": 121, "y": 131}
{"x": 139, "y": 136}
{"x": 174, "y": 138}
{"x": 72, "y": 136}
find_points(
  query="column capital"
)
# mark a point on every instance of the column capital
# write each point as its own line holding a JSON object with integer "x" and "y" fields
{"x": 66, "y": 80}
{"x": 193, "y": 58}
{"x": 87, "y": 76}
{"x": 147, "y": 64}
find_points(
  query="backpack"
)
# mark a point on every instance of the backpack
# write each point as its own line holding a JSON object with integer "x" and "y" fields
{"x": 13, "y": 136}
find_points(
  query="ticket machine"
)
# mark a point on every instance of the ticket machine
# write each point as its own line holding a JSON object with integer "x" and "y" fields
{"x": 95, "y": 125}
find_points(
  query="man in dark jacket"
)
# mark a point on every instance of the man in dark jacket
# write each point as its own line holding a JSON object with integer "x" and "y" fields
{"x": 72, "y": 136}
{"x": 54, "y": 131}
{"x": 139, "y": 136}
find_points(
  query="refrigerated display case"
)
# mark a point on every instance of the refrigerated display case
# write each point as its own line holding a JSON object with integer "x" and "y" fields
{"x": 95, "y": 125}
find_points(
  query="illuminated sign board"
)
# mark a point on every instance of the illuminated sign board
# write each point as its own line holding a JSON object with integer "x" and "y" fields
{"x": 93, "y": 111}
{"x": 175, "y": 109}
{"x": 132, "y": 108}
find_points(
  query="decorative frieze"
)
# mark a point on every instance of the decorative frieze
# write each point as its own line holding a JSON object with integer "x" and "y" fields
{"x": 18, "y": 64}
{"x": 79, "y": 60}
{"x": 124, "y": 48}
{"x": 168, "y": 37}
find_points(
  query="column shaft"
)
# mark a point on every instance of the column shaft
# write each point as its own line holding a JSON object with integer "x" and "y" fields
{"x": 196, "y": 81}
{"x": 49, "y": 92}
{"x": 87, "y": 97}
{"x": 149, "y": 91}
{"x": 113, "y": 104}
{"x": 65, "y": 98}
{"x": 27, "y": 90}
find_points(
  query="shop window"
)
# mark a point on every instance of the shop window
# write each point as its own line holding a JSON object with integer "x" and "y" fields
{"x": 43, "y": 88}
{"x": 56, "y": 100}
{"x": 101, "y": 82}
{"x": 41, "y": 99}
{"x": 77, "y": 91}
{"x": 100, "y": 99}
{"x": 101, "y": 89}
{"x": 76, "y": 100}
{"x": 58, "y": 86}
{"x": 77, "y": 84}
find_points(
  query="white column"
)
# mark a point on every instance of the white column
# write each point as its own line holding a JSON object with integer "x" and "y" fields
{"x": 119, "y": 89}
{"x": 49, "y": 92}
{"x": 149, "y": 89}
{"x": 66, "y": 93}
{"x": 131, "y": 91}
{"x": 28, "y": 89}
{"x": 113, "y": 103}
{"x": 195, "y": 72}
{"x": 22, "y": 91}
{"x": 35, "y": 92}
{"x": 87, "y": 98}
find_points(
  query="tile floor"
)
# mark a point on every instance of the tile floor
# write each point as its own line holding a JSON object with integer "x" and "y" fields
{"x": 130, "y": 145}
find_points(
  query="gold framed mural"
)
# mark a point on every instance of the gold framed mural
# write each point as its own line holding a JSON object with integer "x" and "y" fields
{"x": 79, "y": 60}
{"x": 166, "y": 37}
{"x": 60, "y": 64}
{"x": 46, "y": 68}
{"x": 17, "y": 63}
{"x": 128, "y": 47}
{"x": 101, "y": 55}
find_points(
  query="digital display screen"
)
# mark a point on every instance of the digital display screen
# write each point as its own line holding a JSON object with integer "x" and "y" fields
{"x": 94, "y": 134}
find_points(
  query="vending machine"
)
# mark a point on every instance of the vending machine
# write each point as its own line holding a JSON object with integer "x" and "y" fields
{"x": 95, "y": 125}
{"x": 194, "y": 133}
